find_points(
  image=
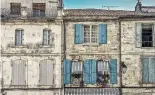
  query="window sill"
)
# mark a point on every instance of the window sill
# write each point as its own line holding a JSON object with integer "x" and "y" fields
{"x": 19, "y": 46}
{"x": 148, "y": 47}
{"x": 90, "y": 44}
{"x": 47, "y": 46}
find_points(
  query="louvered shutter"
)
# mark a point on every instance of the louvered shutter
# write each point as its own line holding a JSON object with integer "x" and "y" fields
{"x": 145, "y": 70}
{"x": 67, "y": 71}
{"x": 93, "y": 72}
{"x": 152, "y": 70}
{"x": 78, "y": 34}
{"x": 113, "y": 71}
{"x": 17, "y": 37}
{"x": 22, "y": 36}
{"x": 154, "y": 35}
{"x": 102, "y": 33}
{"x": 87, "y": 71}
{"x": 18, "y": 72}
{"x": 138, "y": 39}
{"x": 46, "y": 72}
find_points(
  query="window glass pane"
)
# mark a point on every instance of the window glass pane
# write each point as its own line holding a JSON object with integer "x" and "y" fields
{"x": 38, "y": 9}
{"x": 19, "y": 37}
{"x": 86, "y": 34}
{"x": 147, "y": 39}
{"x": 15, "y": 8}
{"x": 94, "y": 35}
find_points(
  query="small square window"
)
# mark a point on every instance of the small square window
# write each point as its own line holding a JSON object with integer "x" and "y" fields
{"x": 15, "y": 8}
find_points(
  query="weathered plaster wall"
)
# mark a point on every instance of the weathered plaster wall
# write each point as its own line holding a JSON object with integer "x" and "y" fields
{"x": 34, "y": 92}
{"x": 112, "y": 46}
{"x": 33, "y": 36}
{"x": 131, "y": 56}
{"x": 97, "y": 51}
{"x": 33, "y": 52}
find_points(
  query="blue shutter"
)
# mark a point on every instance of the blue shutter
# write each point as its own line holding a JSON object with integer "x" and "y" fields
{"x": 93, "y": 72}
{"x": 67, "y": 71}
{"x": 87, "y": 74}
{"x": 78, "y": 36}
{"x": 152, "y": 70}
{"x": 145, "y": 70}
{"x": 102, "y": 33}
{"x": 113, "y": 71}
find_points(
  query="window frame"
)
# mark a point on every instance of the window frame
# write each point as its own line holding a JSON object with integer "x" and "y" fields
{"x": 49, "y": 37}
{"x": 82, "y": 72}
{"x": 21, "y": 37}
{"x": 149, "y": 57}
{"x": 38, "y": 10}
{"x": 108, "y": 72}
{"x": 11, "y": 9}
{"x": 153, "y": 37}
{"x": 90, "y": 36}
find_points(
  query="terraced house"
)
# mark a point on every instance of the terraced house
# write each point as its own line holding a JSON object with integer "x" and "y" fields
{"x": 31, "y": 47}
{"x": 109, "y": 52}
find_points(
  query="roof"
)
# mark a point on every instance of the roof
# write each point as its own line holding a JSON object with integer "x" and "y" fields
{"x": 102, "y": 12}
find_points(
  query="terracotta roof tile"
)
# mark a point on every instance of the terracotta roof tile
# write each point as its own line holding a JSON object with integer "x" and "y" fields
{"x": 101, "y": 12}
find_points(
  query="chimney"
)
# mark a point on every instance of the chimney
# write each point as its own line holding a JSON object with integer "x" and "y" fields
{"x": 138, "y": 7}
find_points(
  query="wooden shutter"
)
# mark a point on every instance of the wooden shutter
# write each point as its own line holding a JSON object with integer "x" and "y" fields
{"x": 145, "y": 70}
{"x": 152, "y": 70}
{"x": 46, "y": 72}
{"x": 154, "y": 35}
{"x": 138, "y": 40}
{"x": 22, "y": 36}
{"x": 113, "y": 71}
{"x": 87, "y": 71}
{"x": 102, "y": 33}
{"x": 78, "y": 34}
{"x": 18, "y": 72}
{"x": 93, "y": 72}
{"x": 67, "y": 71}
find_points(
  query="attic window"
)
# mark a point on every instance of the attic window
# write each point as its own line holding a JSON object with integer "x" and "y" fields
{"x": 38, "y": 9}
{"x": 147, "y": 38}
{"x": 15, "y": 8}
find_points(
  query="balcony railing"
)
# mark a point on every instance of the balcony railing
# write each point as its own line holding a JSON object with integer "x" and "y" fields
{"x": 25, "y": 13}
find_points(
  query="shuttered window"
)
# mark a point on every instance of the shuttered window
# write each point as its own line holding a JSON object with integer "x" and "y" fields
{"x": 145, "y": 35}
{"x": 76, "y": 67}
{"x": 46, "y": 72}
{"x": 148, "y": 69}
{"x": 47, "y": 37}
{"x": 18, "y": 72}
{"x": 90, "y": 34}
{"x": 102, "y": 71}
{"x": 67, "y": 71}
{"x": 19, "y": 37}
{"x": 90, "y": 75}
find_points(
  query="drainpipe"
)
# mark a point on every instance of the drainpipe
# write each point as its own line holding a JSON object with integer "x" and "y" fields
{"x": 120, "y": 57}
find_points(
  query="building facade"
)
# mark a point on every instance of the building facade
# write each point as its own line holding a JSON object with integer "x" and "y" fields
{"x": 31, "y": 47}
{"x": 92, "y": 53}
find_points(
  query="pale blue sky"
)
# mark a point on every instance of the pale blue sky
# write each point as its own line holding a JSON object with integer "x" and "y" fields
{"x": 122, "y": 4}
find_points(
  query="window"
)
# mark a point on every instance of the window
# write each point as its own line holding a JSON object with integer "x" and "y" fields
{"x": 103, "y": 71}
{"x": 15, "y": 8}
{"x": 90, "y": 72}
{"x": 19, "y": 37}
{"x": 147, "y": 35}
{"x": 47, "y": 38}
{"x": 76, "y": 72}
{"x": 18, "y": 72}
{"x": 90, "y": 33}
{"x": 39, "y": 9}
{"x": 46, "y": 72}
{"x": 148, "y": 69}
